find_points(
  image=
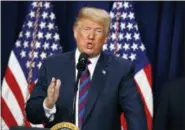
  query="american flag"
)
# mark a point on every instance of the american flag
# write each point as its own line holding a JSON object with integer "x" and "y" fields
{"x": 37, "y": 40}
{"x": 125, "y": 41}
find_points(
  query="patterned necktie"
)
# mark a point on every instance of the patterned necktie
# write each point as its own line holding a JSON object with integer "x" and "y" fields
{"x": 85, "y": 82}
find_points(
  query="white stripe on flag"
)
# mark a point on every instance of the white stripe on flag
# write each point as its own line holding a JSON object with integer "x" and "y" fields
{"x": 3, "y": 125}
{"x": 12, "y": 103}
{"x": 18, "y": 75}
{"x": 145, "y": 88}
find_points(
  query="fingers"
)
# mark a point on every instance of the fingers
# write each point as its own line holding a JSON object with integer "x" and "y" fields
{"x": 58, "y": 84}
{"x": 57, "y": 88}
{"x": 51, "y": 86}
{"x": 53, "y": 90}
{"x": 53, "y": 81}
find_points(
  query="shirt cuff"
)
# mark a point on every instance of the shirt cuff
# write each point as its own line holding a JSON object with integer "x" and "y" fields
{"x": 49, "y": 112}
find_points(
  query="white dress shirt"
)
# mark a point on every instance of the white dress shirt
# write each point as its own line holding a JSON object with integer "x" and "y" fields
{"x": 91, "y": 67}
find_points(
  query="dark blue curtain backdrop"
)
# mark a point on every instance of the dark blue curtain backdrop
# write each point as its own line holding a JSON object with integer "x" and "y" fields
{"x": 161, "y": 24}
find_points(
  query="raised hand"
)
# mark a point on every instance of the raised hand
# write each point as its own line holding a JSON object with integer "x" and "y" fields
{"x": 52, "y": 93}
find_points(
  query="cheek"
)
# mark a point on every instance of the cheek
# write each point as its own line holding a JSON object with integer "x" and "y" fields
{"x": 98, "y": 46}
{"x": 82, "y": 36}
{"x": 100, "y": 42}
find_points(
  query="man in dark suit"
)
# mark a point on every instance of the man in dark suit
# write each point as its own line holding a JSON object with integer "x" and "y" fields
{"x": 170, "y": 113}
{"x": 112, "y": 89}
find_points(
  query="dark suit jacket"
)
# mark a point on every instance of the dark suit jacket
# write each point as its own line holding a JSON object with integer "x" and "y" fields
{"x": 170, "y": 113}
{"x": 108, "y": 96}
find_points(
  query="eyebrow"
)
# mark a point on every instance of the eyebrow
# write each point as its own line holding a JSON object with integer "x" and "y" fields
{"x": 91, "y": 27}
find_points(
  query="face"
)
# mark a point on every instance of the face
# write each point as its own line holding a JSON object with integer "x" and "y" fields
{"x": 90, "y": 37}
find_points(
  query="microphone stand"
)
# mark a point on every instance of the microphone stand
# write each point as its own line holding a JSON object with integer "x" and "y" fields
{"x": 75, "y": 95}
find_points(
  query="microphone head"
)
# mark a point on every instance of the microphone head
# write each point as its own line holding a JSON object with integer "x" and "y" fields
{"x": 82, "y": 62}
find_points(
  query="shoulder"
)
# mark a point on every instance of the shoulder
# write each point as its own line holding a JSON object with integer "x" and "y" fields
{"x": 62, "y": 57}
{"x": 120, "y": 62}
{"x": 120, "y": 65}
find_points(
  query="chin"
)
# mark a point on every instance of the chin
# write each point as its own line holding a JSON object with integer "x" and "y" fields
{"x": 89, "y": 52}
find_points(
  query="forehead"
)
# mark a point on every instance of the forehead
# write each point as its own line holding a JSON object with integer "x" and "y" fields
{"x": 90, "y": 23}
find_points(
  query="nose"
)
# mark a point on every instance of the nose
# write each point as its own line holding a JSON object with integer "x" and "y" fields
{"x": 91, "y": 35}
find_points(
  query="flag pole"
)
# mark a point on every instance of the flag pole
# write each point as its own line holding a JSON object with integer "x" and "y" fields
{"x": 118, "y": 14}
{"x": 33, "y": 46}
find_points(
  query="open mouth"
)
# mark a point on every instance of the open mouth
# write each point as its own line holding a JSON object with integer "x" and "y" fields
{"x": 89, "y": 45}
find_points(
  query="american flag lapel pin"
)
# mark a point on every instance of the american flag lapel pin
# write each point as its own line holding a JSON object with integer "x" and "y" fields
{"x": 104, "y": 72}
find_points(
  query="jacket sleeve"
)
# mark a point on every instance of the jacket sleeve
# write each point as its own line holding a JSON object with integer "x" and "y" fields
{"x": 131, "y": 103}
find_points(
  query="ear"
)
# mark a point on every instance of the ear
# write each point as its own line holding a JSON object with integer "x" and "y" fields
{"x": 105, "y": 40}
{"x": 75, "y": 32}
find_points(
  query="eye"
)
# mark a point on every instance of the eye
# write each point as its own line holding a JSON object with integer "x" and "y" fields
{"x": 99, "y": 31}
{"x": 86, "y": 29}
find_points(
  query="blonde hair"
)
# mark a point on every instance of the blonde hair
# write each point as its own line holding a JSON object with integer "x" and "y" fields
{"x": 98, "y": 15}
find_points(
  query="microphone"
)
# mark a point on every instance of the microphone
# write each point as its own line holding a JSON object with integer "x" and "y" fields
{"x": 81, "y": 65}
{"x": 82, "y": 62}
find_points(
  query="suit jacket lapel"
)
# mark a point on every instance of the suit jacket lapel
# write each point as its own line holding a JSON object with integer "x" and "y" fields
{"x": 98, "y": 80}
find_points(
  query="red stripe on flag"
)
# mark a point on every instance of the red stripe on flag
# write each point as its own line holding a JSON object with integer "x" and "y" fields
{"x": 7, "y": 115}
{"x": 27, "y": 123}
{"x": 31, "y": 86}
{"x": 149, "y": 118}
{"x": 123, "y": 121}
{"x": 148, "y": 72}
{"x": 12, "y": 83}
{"x": 147, "y": 113}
